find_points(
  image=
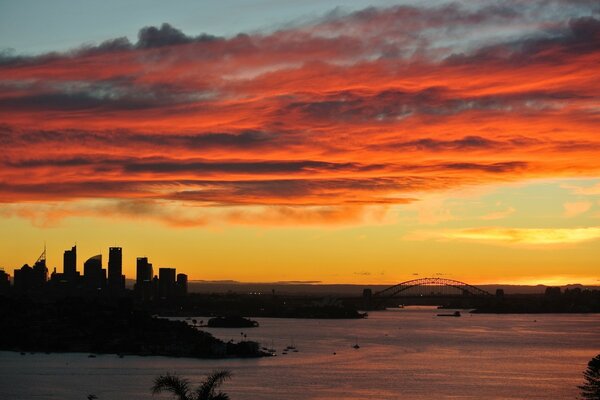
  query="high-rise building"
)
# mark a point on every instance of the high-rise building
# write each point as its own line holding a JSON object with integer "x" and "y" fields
{"x": 144, "y": 286}
{"x": 23, "y": 279}
{"x": 4, "y": 282}
{"x": 70, "y": 264}
{"x": 166, "y": 282}
{"x": 115, "y": 269}
{"x": 32, "y": 279}
{"x": 40, "y": 271}
{"x": 93, "y": 274}
{"x": 182, "y": 284}
{"x": 144, "y": 271}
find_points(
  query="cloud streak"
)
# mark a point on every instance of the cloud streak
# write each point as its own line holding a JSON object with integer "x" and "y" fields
{"x": 526, "y": 236}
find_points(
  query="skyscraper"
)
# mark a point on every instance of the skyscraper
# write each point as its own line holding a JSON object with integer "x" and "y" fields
{"x": 93, "y": 273}
{"x": 166, "y": 282}
{"x": 143, "y": 271}
{"x": 182, "y": 284}
{"x": 144, "y": 286}
{"x": 4, "y": 282}
{"x": 115, "y": 269}
{"x": 70, "y": 264}
{"x": 40, "y": 271}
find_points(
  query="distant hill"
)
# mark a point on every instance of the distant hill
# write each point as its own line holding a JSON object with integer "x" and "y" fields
{"x": 316, "y": 288}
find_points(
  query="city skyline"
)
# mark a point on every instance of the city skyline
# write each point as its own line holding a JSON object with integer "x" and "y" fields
{"x": 41, "y": 280}
{"x": 306, "y": 142}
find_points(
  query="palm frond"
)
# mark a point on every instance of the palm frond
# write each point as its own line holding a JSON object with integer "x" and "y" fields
{"x": 220, "y": 396}
{"x": 206, "y": 391}
{"x": 591, "y": 388}
{"x": 172, "y": 383}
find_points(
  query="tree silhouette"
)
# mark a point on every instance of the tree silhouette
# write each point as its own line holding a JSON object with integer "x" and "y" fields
{"x": 591, "y": 388}
{"x": 180, "y": 387}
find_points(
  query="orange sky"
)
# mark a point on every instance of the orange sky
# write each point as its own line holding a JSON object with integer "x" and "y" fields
{"x": 352, "y": 125}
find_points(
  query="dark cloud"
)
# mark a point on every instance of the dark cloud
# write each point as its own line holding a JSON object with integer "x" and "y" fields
{"x": 53, "y": 189}
{"x": 73, "y": 101}
{"x": 277, "y": 191}
{"x": 501, "y": 167}
{"x": 58, "y": 162}
{"x": 247, "y": 139}
{"x": 430, "y": 144}
{"x": 132, "y": 165}
{"x": 391, "y": 105}
{"x": 116, "y": 94}
{"x": 466, "y": 143}
{"x": 302, "y": 191}
{"x": 166, "y": 35}
{"x": 578, "y": 36}
{"x": 242, "y": 167}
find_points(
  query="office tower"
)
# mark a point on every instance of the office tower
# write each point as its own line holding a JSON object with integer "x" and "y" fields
{"x": 23, "y": 278}
{"x": 4, "y": 282}
{"x": 93, "y": 274}
{"x": 144, "y": 271}
{"x": 40, "y": 272}
{"x": 182, "y": 284}
{"x": 166, "y": 282}
{"x": 143, "y": 280}
{"x": 70, "y": 264}
{"x": 115, "y": 269}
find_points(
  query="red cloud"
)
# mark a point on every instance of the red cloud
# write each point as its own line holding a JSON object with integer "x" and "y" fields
{"x": 350, "y": 110}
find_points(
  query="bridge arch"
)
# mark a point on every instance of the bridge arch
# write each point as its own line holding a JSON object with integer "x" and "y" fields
{"x": 464, "y": 288}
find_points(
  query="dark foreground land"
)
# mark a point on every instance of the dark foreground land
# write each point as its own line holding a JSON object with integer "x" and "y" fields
{"x": 257, "y": 305}
{"x": 552, "y": 301}
{"x": 568, "y": 302}
{"x": 101, "y": 326}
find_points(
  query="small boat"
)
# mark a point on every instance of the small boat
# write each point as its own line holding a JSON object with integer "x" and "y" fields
{"x": 356, "y": 346}
{"x": 291, "y": 346}
{"x": 454, "y": 314}
{"x": 272, "y": 348}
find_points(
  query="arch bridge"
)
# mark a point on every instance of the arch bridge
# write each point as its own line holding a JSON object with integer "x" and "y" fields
{"x": 431, "y": 287}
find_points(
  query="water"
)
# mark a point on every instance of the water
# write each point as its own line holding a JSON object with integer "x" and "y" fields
{"x": 404, "y": 354}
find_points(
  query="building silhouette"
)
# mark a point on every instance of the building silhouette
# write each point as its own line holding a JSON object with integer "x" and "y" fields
{"x": 144, "y": 285}
{"x": 31, "y": 279}
{"x": 166, "y": 283}
{"x": 144, "y": 271}
{"x": 93, "y": 273}
{"x": 116, "y": 280}
{"x": 40, "y": 271}
{"x": 70, "y": 273}
{"x": 23, "y": 279}
{"x": 182, "y": 285}
{"x": 4, "y": 283}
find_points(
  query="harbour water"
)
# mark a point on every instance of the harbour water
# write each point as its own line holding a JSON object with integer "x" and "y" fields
{"x": 404, "y": 354}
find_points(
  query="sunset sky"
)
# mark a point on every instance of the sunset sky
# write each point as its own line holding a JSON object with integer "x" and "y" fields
{"x": 304, "y": 141}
